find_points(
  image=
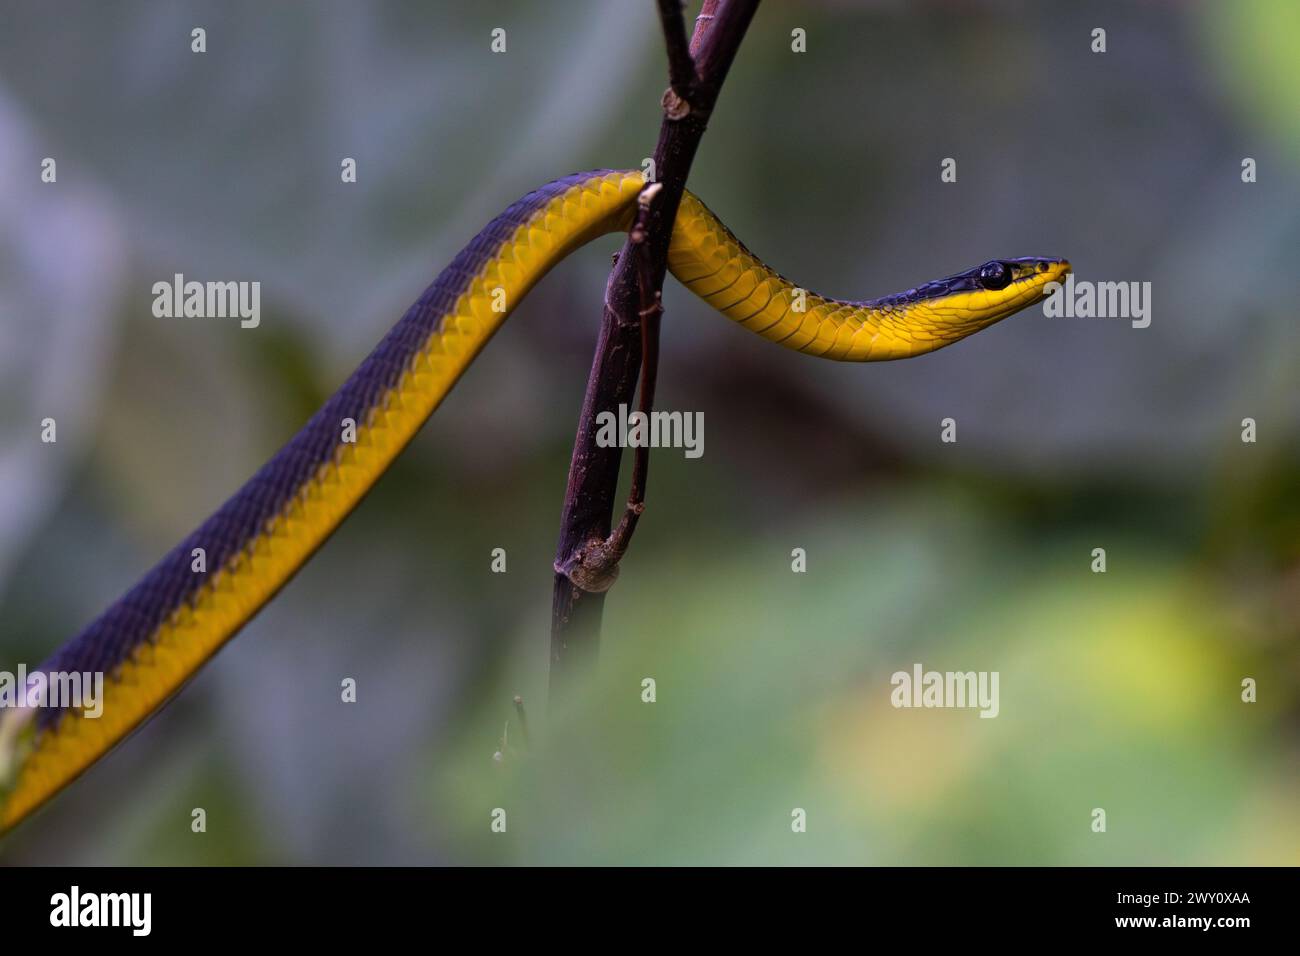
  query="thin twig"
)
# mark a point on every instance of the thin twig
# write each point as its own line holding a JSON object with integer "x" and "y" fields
{"x": 681, "y": 67}
{"x": 523, "y": 719}
{"x": 650, "y": 313}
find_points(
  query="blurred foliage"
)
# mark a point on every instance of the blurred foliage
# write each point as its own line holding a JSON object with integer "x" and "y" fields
{"x": 1257, "y": 46}
{"x": 1118, "y": 691}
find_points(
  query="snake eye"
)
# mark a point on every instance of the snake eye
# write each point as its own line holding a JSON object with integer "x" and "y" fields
{"x": 994, "y": 275}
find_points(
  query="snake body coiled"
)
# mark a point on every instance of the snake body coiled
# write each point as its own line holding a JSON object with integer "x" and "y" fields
{"x": 177, "y": 616}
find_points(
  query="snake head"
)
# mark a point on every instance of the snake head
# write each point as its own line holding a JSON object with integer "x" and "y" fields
{"x": 960, "y": 305}
{"x": 993, "y": 290}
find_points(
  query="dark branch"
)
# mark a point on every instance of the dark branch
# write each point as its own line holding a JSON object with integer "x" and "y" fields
{"x": 704, "y": 23}
{"x": 586, "y": 561}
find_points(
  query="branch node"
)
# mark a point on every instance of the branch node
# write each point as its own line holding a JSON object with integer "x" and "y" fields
{"x": 649, "y": 194}
{"x": 675, "y": 106}
{"x": 593, "y": 568}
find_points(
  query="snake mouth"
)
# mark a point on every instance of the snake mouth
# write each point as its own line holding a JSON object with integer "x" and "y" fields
{"x": 1035, "y": 275}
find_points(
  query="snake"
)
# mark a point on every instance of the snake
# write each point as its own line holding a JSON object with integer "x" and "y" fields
{"x": 153, "y": 639}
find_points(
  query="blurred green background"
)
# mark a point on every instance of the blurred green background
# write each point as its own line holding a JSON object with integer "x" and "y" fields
{"x": 1118, "y": 690}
